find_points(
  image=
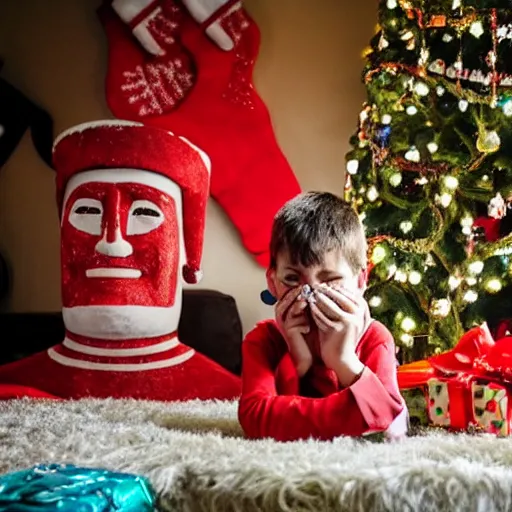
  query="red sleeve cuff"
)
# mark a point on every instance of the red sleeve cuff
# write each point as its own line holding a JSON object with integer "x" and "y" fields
{"x": 377, "y": 407}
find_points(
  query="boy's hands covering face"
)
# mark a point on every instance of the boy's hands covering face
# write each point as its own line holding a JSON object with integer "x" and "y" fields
{"x": 294, "y": 324}
{"x": 341, "y": 317}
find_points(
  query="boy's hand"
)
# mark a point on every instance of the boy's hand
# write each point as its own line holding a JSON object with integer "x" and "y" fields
{"x": 293, "y": 324}
{"x": 341, "y": 317}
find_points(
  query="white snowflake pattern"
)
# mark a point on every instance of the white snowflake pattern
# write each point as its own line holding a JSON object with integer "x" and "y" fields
{"x": 157, "y": 87}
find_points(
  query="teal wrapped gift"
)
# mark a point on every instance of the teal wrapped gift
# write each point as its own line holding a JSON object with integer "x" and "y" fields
{"x": 67, "y": 488}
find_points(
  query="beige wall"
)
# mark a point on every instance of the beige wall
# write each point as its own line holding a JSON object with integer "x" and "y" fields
{"x": 308, "y": 73}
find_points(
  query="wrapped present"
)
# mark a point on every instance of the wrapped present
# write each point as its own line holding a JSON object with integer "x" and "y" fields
{"x": 464, "y": 388}
{"x": 439, "y": 402}
{"x": 68, "y": 488}
{"x": 490, "y": 404}
{"x": 449, "y": 403}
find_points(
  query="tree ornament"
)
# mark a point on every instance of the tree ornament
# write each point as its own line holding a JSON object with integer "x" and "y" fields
{"x": 488, "y": 141}
{"x": 413, "y": 155}
{"x": 438, "y": 67}
{"x": 466, "y": 221}
{"x": 444, "y": 199}
{"x": 476, "y": 267}
{"x": 432, "y": 147}
{"x": 477, "y": 29}
{"x": 400, "y": 276}
{"x": 497, "y": 208}
{"x": 395, "y": 179}
{"x": 463, "y": 105}
{"x": 352, "y": 166}
{"x": 467, "y": 225}
{"x": 407, "y": 36}
{"x": 407, "y": 340}
{"x": 454, "y": 282}
{"x": 493, "y": 285}
{"x": 408, "y": 324}
{"x": 507, "y": 108}
{"x": 406, "y": 226}
{"x": 421, "y": 89}
{"x": 379, "y": 254}
{"x": 372, "y": 194}
{"x": 375, "y": 301}
{"x": 383, "y": 43}
{"x": 386, "y": 119}
{"x": 437, "y": 21}
{"x": 391, "y": 270}
{"x": 451, "y": 182}
{"x": 382, "y": 135}
{"x": 440, "y": 308}
{"x": 470, "y": 296}
{"x": 415, "y": 277}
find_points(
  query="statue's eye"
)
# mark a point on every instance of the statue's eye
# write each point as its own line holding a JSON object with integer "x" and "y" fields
{"x": 86, "y": 215}
{"x": 88, "y": 210}
{"x": 145, "y": 216}
{"x": 148, "y": 212}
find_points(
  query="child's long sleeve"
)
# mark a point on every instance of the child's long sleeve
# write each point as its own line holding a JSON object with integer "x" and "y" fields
{"x": 370, "y": 404}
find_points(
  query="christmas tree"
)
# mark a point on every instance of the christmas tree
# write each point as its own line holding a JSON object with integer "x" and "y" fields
{"x": 430, "y": 169}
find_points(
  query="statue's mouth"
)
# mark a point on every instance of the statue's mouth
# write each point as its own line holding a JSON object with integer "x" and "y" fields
{"x": 114, "y": 273}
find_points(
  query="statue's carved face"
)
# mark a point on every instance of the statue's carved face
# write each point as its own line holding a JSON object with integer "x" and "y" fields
{"x": 120, "y": 246}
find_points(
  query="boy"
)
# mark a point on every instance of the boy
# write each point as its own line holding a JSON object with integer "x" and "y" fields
{"x": 323, "y": 368}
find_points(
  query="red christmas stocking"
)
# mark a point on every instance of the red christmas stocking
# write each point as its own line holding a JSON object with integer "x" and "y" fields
{"x": 205, "y": 94}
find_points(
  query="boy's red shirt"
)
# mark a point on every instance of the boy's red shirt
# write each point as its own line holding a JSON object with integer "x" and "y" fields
{"x": 272, "y": 402}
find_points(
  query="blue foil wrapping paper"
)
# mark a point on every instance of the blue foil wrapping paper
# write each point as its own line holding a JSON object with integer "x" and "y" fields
{"x": 67, "y": 488}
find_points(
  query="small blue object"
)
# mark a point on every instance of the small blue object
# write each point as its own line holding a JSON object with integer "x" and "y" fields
{"x": 67, "y": 488}
{"x": 382, "y": 135}
{"x": 267, "y": 298}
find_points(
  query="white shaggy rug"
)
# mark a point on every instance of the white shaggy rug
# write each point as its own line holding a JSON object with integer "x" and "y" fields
{"x": 194, "y": 455}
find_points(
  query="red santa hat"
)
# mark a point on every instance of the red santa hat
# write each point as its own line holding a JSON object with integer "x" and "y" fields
{"x": 115, "y": 144}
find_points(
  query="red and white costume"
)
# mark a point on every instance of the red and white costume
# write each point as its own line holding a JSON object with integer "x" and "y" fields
{"x": 132, "y": 201}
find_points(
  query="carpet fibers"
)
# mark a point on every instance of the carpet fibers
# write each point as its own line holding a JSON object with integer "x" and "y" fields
{"x": 197, "y": 460}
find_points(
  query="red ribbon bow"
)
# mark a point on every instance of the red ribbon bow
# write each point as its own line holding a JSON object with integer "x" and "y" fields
{"x": 475, "y": 355}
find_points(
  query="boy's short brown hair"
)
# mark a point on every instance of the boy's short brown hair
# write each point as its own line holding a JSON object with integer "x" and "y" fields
{"x": 315, "y": 223}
